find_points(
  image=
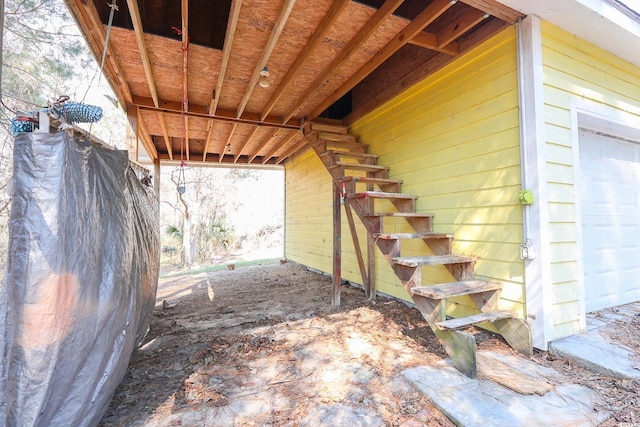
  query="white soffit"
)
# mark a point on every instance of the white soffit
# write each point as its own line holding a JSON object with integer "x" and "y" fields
{"x": 595, "y": 21}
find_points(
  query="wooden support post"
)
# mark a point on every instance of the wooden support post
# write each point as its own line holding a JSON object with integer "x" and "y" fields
{"x": 371, "y": 251}
{"x": 337, "y": 248}
{"x": 156, "y": 179}
{"x": 356, "y": 246}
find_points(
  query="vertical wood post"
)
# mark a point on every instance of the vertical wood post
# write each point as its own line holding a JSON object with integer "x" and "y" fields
{"x": 337, "y": 247}
{"x": 371, "y": 258}
{"x": 156, "y": 179}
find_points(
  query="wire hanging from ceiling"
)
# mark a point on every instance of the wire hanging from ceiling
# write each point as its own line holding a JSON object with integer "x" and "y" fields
{"x": 185, "y": 100}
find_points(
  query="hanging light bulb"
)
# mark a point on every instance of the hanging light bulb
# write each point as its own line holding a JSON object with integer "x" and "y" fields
{"x": 264, "y": 75}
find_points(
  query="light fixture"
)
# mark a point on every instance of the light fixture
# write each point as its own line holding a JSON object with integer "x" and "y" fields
{"x": 264, "y": 75}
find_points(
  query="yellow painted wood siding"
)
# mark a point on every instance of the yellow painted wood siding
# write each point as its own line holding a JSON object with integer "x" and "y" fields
{"x": 574, "y": 68}
{"x": 309, "y": 219}
{"x": 454, "y": 141}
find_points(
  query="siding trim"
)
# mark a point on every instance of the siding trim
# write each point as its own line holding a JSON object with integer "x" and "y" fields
{"x": 536, "y": 216}
{"x": 597, "y": 117}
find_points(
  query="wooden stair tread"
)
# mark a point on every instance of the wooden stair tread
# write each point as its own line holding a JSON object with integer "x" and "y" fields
{"x": 349, "y": 154}
{"x": 339, "y": 137}
{"x": 329, "y": 127}
{"x": 359, "y": 166}
{"x": 433, "y": 260}
{"x": 402, "y": 214}
{"x": 465, "y": 322}
{"x": 455, "y": 289}
{"x": 369, "y": 180}
{"x": 394, "y": 236}
{"x": 382, "y": 195}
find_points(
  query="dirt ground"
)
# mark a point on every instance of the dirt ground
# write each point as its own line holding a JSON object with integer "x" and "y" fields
{"x": 262, "y": 346}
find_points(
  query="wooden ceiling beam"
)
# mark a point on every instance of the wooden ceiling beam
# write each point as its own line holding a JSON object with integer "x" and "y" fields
{"x": 224, "y": 115}
{"x": 358, "y": 40}
{"x": 165, "y": 135}
{"x": 285, "y": 141}
{"x": 184, "y": 143}
{"x": 318, "y": 35}
{"x": 460, "y": 26}
{"x": 297, "y": 147}
{"x": 232, "y": 23}
{"x": 426, "y": 17}
{"x": 270, "y": 137}
{"x": 430, "y": 41}
{"x": 249, "y": 137}
{"x": 147, "y": 142}
{"x": 87, "y": 17}
{"x": 266, "y": 53}
{"x": 494, "y": 8}
{"x": 226, "y": 143}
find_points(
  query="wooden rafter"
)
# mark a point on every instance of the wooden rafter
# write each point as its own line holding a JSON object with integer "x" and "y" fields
{"x": 358, "y": 40}
{"x": 426, "y": 17}
{"x": 283, "y": 143}
{"x": 134, "y": 12}
{"x": 200, "y": 111}
{"x": 467, "y": 43}
{"x": 226, "y": 142}
{"x": 326, "y": 24}
{"x": 266, "y": 53}
{"x": 232, "y": 23}
{"x": 430, "y": 41}
{"x": 460, "y": 26}
{"x": 146, "y": 137}
{"x": 270, "y": 137}
{"x": 248, "y": 139}
{"x": 296, "y": 147}
{"x": 494, "y": 8}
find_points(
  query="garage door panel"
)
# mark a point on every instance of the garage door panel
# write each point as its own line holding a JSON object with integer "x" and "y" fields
{"x": 610, "y": 185}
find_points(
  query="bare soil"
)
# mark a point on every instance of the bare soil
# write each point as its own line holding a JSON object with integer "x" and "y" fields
{"x": 262, "y": 346}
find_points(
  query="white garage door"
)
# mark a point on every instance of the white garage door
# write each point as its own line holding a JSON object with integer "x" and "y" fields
{"x": 610, "y": 189}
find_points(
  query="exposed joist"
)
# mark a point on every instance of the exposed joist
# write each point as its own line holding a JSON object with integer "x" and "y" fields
{"x": 199, "y": 111}
{"x": 86, "y": 14}
{"x": 134, "y": 12}
{"x": 430, "y": 41}
{"x": 465, "y": 44}
{"x": 185, "y": 76}
{"x": 266, "y": 53}
{"x": 495, "y": 8}
{"x": 283, "y": 143}
{"x": 318, "y": 35}
{"x": 460, "y": 26}
{"x": 426, "y": 17}
{"x": 226, "y": 143}
{"x": 232, "y": 24}
{"x": 358, "y": 40}
{"x": 248, "y": 139}
{"x": 270, "y": 137}
{"x": 304, "y": 142}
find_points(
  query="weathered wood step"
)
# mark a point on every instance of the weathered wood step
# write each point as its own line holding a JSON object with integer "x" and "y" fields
{"x": 455, "y": 289}
{"x": 396, "y": 236}
{"x": 383, "y": 195}
{"x": 338, "y": 137}
{"x": 370, "y": 180}
{"x": 465, "y": 322}
{"x": 359, "y": 167}
{"x": 359, "y": 156}
{"x": 433, "y": 260}
{"x": 402, "y": 214}
{"x": 342, "y": 146}
{"x": 329, "y": 127}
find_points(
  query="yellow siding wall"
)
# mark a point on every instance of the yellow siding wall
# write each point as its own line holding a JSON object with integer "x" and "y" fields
{"x": 574, "y": 68}
{"x": 454, "y": 140}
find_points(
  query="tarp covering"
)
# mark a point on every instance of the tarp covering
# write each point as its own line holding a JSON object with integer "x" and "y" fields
{"x": 80, "y": 284}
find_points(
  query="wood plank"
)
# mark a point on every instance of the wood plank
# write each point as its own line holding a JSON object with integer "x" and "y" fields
{"x": 460, "y": 26}
{"x": 371, "y": 180}
{"x": 146, "y": 138}
{"x": 165, "y": 135}
{"x": 270, "y": 137}
{"x": 402, "y": 214}
{"x": 465, "y": 322}
{"x": 315, "y": 39}
{"x": 136, "y": 20}
{"x": 337, "y": 247}
{"x": 331, "y": 70}
{"x": 383, "y": 195}
{"x": 328, "y": 127}
{"x": 309, "y": 139}
{"x": 517, "y": 333}
{"x": 495, "y": 8}
{"x": 360, "y": 156}
{"x": 394, "y": 236}
{"x": 360, "y": 167}
{"x": 456, "y": 289}
{"x": 341, "y": 137}
{"x": 357, "y": 248}
{"x": 248, "y": 139}
{"x": 285, "y": 141}
{"x": 430, "y": 41}
{"x": 432, "y": 12}
{"x": 224, "y": 143}
{"x": 520, "y": 378}
{"x": 434, "y": 260}
{"x": 287, "y": 7}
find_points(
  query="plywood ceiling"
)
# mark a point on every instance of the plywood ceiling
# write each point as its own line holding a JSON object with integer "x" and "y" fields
{"x": 189, "y": 72}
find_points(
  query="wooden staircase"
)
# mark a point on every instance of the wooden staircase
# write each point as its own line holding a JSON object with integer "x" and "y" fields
{"x": 362, "y": 182}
